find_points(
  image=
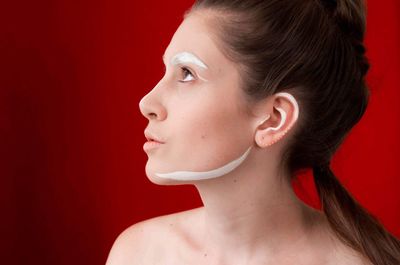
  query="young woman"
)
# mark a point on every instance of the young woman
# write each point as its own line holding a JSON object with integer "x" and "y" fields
{"x": 255, "y": 91}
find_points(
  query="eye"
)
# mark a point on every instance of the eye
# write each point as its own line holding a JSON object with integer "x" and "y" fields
{"x": 186, "y": 72}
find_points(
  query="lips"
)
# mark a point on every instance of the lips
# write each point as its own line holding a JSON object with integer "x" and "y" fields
{"x": 152, "y": 137}
{"x": 151, "y": 140}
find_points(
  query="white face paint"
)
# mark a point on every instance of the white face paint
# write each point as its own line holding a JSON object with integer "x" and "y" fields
{"x": 192, "y": 175}
{"x": 188, "y": 58}
{"x": 218, "y": 172}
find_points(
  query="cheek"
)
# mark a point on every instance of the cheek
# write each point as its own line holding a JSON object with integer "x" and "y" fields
{"x": 208, "y": 126}
{"x": 211, "y": 137}
{"x": 208, "y": 132}
{"x": 213, "y": 122}
{"x": 198, "y": 122}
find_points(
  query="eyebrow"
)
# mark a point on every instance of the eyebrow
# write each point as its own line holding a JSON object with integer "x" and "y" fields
{"x": 187, "y": 57}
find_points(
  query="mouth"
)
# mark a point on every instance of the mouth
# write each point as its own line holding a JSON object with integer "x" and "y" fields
{"x": 154, "y": 141}
{"x": 151, "y": 144}
{"x": 152, "y": 138}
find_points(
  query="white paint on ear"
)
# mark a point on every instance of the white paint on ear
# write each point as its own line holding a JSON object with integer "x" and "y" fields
{"x": 294, "y": 102}
{"x": 283, "y": 120}
{"x": 283, "y": 112}
{"x": 218, "y": 172}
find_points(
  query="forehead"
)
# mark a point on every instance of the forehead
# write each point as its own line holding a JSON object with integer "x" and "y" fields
{"x": 194, "y": 35}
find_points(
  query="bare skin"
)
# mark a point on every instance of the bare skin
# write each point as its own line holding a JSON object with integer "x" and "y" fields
{"x": 176, "y": 239}
{"x": 251, "y": 215}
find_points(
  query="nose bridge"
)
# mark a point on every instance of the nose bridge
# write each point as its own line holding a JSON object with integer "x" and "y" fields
{"x": 151, "y": 104}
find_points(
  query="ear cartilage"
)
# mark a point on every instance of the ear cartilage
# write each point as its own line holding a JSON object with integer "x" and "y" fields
{"x": 294, "y": 102}
{"x": 283, "y": 114}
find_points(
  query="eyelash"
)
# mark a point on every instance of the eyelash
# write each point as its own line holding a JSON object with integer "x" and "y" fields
{"x": 185, "y": 69}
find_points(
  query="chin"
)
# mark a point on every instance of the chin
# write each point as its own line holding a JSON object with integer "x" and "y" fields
{"x": 159, "y": 181}
{"x": 167, "y": 182}
{"x": 162, "y": 181}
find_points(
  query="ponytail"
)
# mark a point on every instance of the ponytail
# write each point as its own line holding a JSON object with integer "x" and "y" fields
{"x": 318, "y": 56}
{"x": 352, "y": 223}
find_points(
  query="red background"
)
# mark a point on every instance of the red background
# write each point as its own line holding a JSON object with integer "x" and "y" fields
{"x": 72, "y": 74}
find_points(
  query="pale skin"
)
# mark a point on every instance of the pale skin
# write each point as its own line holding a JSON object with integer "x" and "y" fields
{"x": 250, "y": 215}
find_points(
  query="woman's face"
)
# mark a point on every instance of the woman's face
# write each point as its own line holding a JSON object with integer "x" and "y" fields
{"x": 197, "y": 108}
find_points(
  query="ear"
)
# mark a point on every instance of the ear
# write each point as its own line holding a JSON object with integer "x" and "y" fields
{"x": 279, "y": 120}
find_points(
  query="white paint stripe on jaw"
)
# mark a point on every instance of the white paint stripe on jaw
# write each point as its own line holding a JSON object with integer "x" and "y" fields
{"x": 187, "y": 57}
{"x": 192, "y": 175}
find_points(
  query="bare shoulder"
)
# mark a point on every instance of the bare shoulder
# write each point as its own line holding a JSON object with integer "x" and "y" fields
{"x": 349, "y": 256}
{"x": 327, "y": 248}
{"x": 345, "y": 255}
{"x": 130, "y": 245}
{"x": 138, "y": 243}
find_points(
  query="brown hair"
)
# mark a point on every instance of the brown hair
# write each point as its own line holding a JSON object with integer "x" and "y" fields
{"x": 314, "y": 50}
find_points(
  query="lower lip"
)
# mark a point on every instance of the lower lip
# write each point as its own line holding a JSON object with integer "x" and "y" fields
{"x": 151, "y": 145}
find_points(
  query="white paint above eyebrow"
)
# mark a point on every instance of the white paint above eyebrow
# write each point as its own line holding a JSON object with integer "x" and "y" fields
{"x": 187, "y": 57}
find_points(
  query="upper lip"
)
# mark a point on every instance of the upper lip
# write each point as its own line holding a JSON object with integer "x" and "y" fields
{"x": 152, "y": 137}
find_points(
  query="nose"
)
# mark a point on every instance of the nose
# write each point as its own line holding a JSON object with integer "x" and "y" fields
{"x": 151, "y": 107}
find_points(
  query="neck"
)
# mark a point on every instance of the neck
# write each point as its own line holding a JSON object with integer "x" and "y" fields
{"x": 249, "y": 211}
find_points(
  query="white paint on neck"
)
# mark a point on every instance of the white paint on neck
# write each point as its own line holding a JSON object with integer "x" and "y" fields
{"x": 215, "y": 173}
